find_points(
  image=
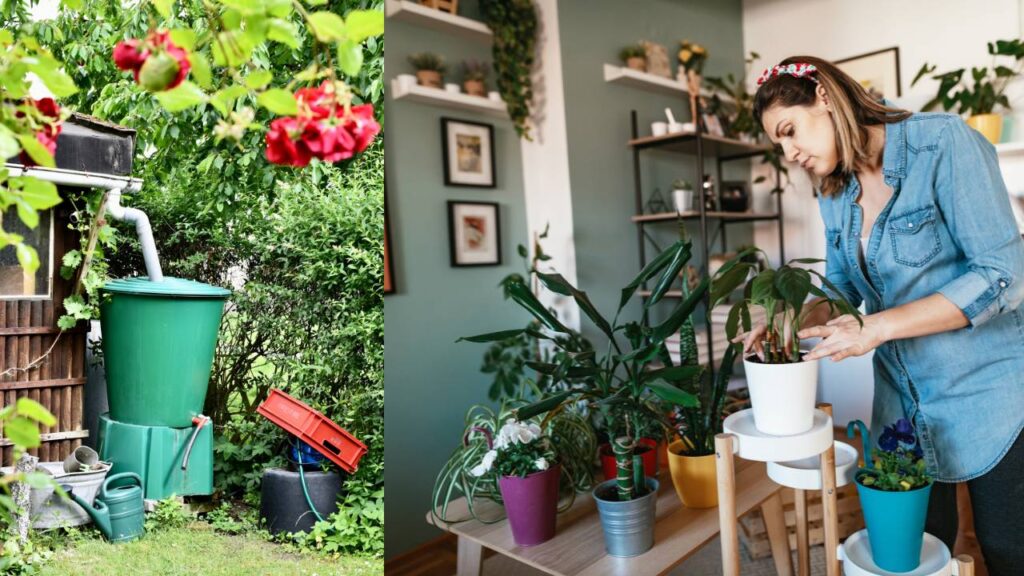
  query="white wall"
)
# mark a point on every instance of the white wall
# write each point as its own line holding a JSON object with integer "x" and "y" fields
{"x": 948, "y": 33}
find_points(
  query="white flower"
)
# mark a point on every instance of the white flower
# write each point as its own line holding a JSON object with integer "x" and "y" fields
{"x": 485, "y": 465}
{"x": 541, "y": 464}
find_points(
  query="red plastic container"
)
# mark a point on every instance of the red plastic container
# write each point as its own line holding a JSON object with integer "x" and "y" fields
{"x": 313, "y": 428}
{"x": 650, "y": 459}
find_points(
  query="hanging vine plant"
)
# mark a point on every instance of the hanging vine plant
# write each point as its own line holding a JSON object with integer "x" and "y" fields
{"x": 514, "y": 24}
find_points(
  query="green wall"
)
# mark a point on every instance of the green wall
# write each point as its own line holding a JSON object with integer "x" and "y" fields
{"x": 598, "y": 121}
{"x": 431, "y": 381}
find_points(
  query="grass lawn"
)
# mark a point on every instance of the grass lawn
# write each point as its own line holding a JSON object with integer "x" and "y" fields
{"x": 196, "y": 550}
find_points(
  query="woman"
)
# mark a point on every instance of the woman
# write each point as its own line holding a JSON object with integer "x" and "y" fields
{"x": 918, "y": 227}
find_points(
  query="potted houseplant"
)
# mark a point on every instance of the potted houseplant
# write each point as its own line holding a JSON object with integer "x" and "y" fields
{"x": 682, "y": 195}
{"x": 474, "y": 74}
{"x": 528, "y": 475}
{"x": 634, "y": 56}
{"x": 978, "y": 101}
{"x": 741, "y": 114}
{"x": 650, "y": 437}
{"x": 893, "y": 486}
{"x": 429, "y": 68}
{"x": 471, "y": 472}
{"x": 782, "y": 385}
{"x": 624, "y": 378}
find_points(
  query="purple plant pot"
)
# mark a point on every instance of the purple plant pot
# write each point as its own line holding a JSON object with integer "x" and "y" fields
{"x": 531, "y": 504}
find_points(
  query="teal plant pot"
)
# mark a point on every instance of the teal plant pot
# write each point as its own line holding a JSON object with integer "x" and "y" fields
{"x": 895, "y": 522}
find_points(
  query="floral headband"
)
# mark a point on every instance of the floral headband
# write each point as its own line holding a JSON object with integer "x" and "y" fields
{"x": 795, "y": 70}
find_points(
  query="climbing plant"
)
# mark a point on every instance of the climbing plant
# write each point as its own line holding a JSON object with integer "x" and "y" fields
{"x": 514, "y": 25}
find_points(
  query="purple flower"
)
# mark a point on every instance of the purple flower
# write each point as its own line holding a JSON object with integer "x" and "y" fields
{"x": 899, "y": 434}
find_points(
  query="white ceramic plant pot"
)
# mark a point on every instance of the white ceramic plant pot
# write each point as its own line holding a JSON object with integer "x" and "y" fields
{"x": 782, "y": 396}
{"x": 683, "y": 200}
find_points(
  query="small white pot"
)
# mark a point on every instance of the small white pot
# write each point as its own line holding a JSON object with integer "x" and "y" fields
{"x": 659, "y": 128}
{"x": 453, "y": 88}
{"x": 683, "y": 200}
{"x": 406, "y": 80}
{"x": 782, "y": 396}
{"x": 493, "y": 95}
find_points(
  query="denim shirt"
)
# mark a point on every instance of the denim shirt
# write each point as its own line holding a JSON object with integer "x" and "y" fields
{"x": 947, "y": 229}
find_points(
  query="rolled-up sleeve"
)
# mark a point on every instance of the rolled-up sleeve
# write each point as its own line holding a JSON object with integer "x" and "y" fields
{"x": 975, "y": 204}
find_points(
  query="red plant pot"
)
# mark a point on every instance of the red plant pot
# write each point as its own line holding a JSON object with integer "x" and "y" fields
{"x": 648, "y": 450}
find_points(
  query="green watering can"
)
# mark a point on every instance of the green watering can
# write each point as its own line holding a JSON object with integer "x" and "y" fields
{"x": 118, "y": 512}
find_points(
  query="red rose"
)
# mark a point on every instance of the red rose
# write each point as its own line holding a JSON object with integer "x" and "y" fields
{"x": 49, "y": 108}
{"x": 329, "y": 141}
{"x": 361, "y": 124}
{"x": 282, "y": 146}
{"x": 316, "y": 100}
{"x": 128, "y": 56}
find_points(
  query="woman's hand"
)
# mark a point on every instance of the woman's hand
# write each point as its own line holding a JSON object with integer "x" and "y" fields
{"x": 845, "y": 337}
{"x": 754, "y": 340}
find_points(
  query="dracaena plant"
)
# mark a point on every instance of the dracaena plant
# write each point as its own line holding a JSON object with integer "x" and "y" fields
{"x": 782, "y": 293}
{"x": 989, "y": 84}
{"x": 623, "y": 380}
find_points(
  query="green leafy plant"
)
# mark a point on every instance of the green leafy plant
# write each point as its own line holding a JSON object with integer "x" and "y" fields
{"x": 514, "y": 24}
{"x": 169, "y": 514}
{"x": 572, "y": 444}
{"x": 989, "y": 83}
{"x": 741, "y": 106}
{"x": 22, "y": 558}
{"x": 475, "y": 70}
{"x": 428, "y": 61}
{"x": 782, "y": 293}
{"x": 681, "y": 184}
{"x": 624, "y": 377}
{"x": 898, "y": 464}
{"x": 632, "y": 51}
{"x": 692, "y": 56}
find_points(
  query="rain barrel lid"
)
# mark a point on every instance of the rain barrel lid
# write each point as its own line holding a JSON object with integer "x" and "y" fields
{"x": 172, "y": 287}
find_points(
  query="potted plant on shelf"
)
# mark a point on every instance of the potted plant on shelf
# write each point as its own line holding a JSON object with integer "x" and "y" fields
{"x": 741, "y": 114}
{"x": 635, "y": 57}
{"x": 474, "y": 74}
{"x": 650, "y": 436}
{"x": 893, "y": 487}
{"x": 978, "y": 101}
{"x": 782, "y": 385}
{"x": 429, "y": 68}
{"x": 692, "y": 57}
{"x": 682, "y": 195}
{"x": 624, "y": 379}
{"x": 487, "y": 453}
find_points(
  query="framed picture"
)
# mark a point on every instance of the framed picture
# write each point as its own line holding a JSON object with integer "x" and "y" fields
{"x": 474, "y": 233}
{"x": 389, "y": 268}
{"x": 878, "y": 72}
{"x": 468, "y": 153}
{"x": 713, "y": 124}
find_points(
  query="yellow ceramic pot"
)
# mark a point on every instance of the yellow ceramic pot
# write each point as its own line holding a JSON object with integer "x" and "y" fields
{"x": 694, "y": 477}
{"x": 990, "y": 126}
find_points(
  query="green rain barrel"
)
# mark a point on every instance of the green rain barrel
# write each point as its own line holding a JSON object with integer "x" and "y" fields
{"x": 158, "y": 344}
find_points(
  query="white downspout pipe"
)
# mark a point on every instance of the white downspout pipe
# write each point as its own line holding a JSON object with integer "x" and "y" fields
{"x": 142, "y": 229}
{"x": 116, "y": 185}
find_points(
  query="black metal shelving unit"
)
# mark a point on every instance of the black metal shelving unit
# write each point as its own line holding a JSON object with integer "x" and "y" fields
{"x": 700, "y": 145}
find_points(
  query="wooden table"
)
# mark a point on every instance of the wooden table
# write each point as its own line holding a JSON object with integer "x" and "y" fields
{"x": 578, "y": 545}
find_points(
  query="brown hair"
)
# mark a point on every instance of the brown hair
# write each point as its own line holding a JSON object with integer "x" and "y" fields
{"x": 853, "y": 110}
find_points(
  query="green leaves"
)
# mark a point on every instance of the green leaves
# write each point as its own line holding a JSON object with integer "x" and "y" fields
{"x": 36, "y": 411}
{"x": 201, "y": 71}
{"x": 556, "y": 283}
{"x": 48, "y": 69}
{"x": 39, "y": 154}
{"x": 674, "y": 395}
{"x": 350, "y": 57}
{"x": 259, "y": 79}
{"x": 278, "y": 101}
{"x": 492, "y": 336}
{"x": 163, "y": 7}
{"x": 327, "y": 26}
{"x": 362, "y": 24}
{"x": 185, "y": 96}
{"x": 22, "y": 426}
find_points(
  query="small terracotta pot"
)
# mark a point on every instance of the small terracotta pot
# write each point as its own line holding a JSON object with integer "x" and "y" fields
{"x": 637, "y": 63}
{"x": 431, "y": 78}
{"x": 474, "y": 88}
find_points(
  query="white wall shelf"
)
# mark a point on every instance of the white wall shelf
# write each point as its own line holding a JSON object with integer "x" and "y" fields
{"x": 419, "y": 15}
{"x": 634, "y": 78}
{"x": 439, "y": 97}
{"x": 1010, "y": 148}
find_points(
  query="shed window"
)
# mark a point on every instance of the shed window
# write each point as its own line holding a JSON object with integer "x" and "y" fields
{"x": 15, "y": 282}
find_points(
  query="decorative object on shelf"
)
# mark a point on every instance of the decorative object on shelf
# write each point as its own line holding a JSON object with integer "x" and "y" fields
{"x": 450, "y": 6}
{"x": 430, "y": 68}
{"x": 712, "y": 123}
{"x": 659, "y": 128}
{"x": 783, "y": 384}
{"x": 682, "y": 195}
{"x": 572, "y": 443}
{"x": 657, "y": 59}
{"x": 878, "y": 72}
{"x": 710, "y": 198}
{"x": 735, "y": 196}
{"x": 978, "y": 102}
{"x": 740, "y": 123}
{"x": 893, "y": 486}
{"x": 675, "y": 127}
{"x": 634, "y": 56}
{"x": 389, "y": 267}
{"x": 656, "y": 203}
{"x": 514, "y": 23}
{"x": 406, "y": 80}
{"x": 468, "y": 153}
{"x": 452, "y": 88}
{"x": 621, "y": 374}
{"x": 474, "y": 233}
{"x": 474, "y": 76}
{"x": 494, "y": 96}
{"x": 692, "y": 57}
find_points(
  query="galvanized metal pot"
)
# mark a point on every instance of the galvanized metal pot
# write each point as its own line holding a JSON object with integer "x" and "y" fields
{"x": 628, "y": 526}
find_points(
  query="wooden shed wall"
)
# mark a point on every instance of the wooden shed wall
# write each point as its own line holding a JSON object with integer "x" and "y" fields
{"x": 27, "y": 329}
